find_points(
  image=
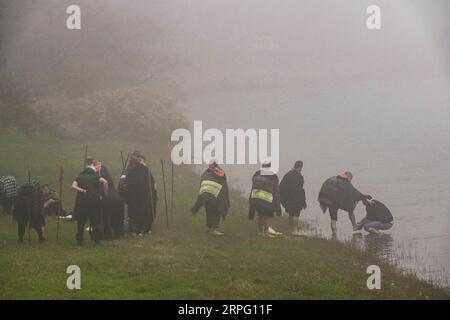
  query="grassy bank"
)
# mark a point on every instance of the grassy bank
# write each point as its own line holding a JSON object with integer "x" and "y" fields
{"x": 183, "y": 262}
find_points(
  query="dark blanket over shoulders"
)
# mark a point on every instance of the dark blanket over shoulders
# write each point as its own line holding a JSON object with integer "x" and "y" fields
{"x": 377, "y": 211}
{"x": 292, "y": 194}
{"x": 222, "y": 202}
{"x": 142, "y": 196}
{"x": 340, "y": 193}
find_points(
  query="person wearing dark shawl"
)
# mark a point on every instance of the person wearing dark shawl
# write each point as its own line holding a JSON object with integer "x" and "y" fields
{"x": 29, "y": 210}
{"x": 264, "y": 199}
{"x": 142, "y": 195}
{"x": 88, "y": 186}
{"x": 292, "y": 195}
{"x": 112, "y": 210}
{"x": 214, "y": 196}
{"x": 339, "y": 193}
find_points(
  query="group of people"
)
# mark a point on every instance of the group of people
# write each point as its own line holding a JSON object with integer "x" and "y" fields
{"x": 268, "y": 194}
{"x": 29, "y": 204}
{"x": 99, "y": 202}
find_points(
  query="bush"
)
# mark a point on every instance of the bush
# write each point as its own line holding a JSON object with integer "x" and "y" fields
{"x": 137, "y": 114}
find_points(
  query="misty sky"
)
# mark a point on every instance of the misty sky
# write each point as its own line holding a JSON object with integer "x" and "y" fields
{"x": 218, "y": 44}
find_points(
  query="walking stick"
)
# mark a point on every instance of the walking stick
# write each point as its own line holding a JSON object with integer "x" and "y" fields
{"x": 61, "y": 177}
{"x": 165, "y": 194}
{"x": 171, "y": 192}
{"x": 151, "y": 182}
{"x": 30, "y": 206}
{"x": 85, "y": 156}
{"x": 123, "y": 162}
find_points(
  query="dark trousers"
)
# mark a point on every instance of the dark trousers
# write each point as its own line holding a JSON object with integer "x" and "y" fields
{"x": 52, "y": 209}
{"x": 92, "y": 213}
{"x": 333, "y": 210}
{"x": 113, "y": 219}
{"x": 212, "y": 216}
{"x": 21, "y": 226}
{"x": 141, "y": 220}
{"x": 7, "y": 204}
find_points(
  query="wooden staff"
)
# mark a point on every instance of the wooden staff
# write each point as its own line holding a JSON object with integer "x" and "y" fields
{"x": 61, "y": 177}
{"x": 165, "y": 194}
{"x": 30, "y": 205}
{"x": 171, "y": 191}
{"x": 85, "y": 156}
{"x": 151, "y": 183}
{"x": 123, "y": 161}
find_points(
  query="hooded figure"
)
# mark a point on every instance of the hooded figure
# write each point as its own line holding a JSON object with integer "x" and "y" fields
{"x": 214, "y": 195}
{"x": 265, "y": 199}
{"x": 339, "y": 193}
{"x": 292, "y": 195}
{"x": 112, "y": 218}
{"x": 142, "y": 195}
{"x": 29, "y": 209}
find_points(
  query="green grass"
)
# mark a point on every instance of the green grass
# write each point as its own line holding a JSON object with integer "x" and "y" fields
{"x": 183, "y": 262}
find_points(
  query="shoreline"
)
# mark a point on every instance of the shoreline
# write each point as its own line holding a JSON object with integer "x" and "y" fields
{"x": 184, "y": 262}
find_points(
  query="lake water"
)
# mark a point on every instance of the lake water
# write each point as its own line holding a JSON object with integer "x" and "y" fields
{"x": 394, "y": 137}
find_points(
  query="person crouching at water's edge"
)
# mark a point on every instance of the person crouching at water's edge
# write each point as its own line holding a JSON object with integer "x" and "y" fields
{"x": 339, "y": 193}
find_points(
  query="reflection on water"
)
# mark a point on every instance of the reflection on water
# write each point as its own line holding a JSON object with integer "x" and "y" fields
{"x": 378, "y": 245}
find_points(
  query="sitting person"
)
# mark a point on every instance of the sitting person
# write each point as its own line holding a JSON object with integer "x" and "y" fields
{"x": 50, "y": 201}
{"x": 378, "y": 217}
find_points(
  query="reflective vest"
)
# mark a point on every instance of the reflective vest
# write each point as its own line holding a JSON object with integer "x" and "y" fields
{"x": 211, "y": 187}
{"x": 261, "y": 194}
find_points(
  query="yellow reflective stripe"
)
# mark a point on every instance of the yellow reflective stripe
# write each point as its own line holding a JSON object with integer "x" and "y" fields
{"x": 261, "y": 194}
{"x": 210, "y": 187}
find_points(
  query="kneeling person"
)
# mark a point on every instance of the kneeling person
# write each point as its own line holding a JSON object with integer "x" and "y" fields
{"x": 50, "y": 201}
{"x": 378, "y": 217}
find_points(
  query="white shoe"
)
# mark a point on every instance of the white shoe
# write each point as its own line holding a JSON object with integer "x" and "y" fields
{"x": 272, "y": 231}
{"x": 373, "y": 231}
{"x": 216, "y": 232}
{"x": 296, "y": 233}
